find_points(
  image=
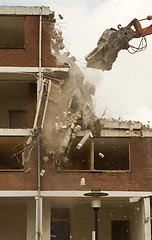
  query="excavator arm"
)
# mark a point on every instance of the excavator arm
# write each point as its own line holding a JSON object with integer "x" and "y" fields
{"x": 112, "y": 41}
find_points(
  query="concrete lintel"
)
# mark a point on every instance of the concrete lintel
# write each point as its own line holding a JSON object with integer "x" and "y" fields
{"x": 31, "y": 69}
{"x": 119, "y": 133}
{"x": 18, "y": 194}
{"x": 23, "y": 10}
{"x": 127, "y": 194}
{"x": 147, "y": 133}
{"x": 44, "y": 194}
{"x": 15, "y": 132}
{"x": 54, "y": 69}
{"x": 120, "y": 125}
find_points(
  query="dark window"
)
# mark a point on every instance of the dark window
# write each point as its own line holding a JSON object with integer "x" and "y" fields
{"x": 115, "y": 153}
{"x": 60, "y": 224}
{"x": 17, "y": 102}
{"x": 12, "y": 31}
{"x": 104, "y": 153}
{"x": 11, "y": 151}
{"x": 18, "y": 119}
{"x": 120, "y": 230}
{"x": 78, "y": 159}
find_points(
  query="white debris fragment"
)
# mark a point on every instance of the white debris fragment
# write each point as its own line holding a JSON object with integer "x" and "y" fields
{"x": 28, "y": 170}
{"x": 57, "y": 126}
{"x": 45, "y": 159}
{"x": 82, "y": 182}
{"x": 29, "y": 141}
{"x": 83, "y": 140}
{"x": 79, "y": 146}
{"x": 101, "y": 155}
{"x": 42, "y": 172}
{"x": 65, "y": 114}
{"x": 93, "y": 235}
{"x": 62, "y": 126}
{"x": 134, "y": 199}
{"x": 72, "y": 126}
{"x": 91, "y": 135}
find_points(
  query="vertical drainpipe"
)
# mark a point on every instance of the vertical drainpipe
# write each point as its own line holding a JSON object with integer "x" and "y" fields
{"x": 39, "y": 84}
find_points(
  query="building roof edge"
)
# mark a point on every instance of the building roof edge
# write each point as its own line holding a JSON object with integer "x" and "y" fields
{"x": 24, "y": 10}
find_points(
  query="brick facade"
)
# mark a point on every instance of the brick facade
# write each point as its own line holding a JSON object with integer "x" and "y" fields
{"x": 25, "y": 179}
{"x": 29, "y": 55}
{"x": 137, "y": 179}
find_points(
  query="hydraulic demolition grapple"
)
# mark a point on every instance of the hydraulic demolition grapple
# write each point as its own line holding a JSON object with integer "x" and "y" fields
{"x": 112, "y": 41}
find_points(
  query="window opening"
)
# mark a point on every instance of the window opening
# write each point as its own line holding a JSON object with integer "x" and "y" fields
{"x": 104, "y": 153}
{"x": 12, "y": 31}
{"x": 18, "y": 105}
{"x": 111, "y": 153}
{"x": 11, "y": 152}
{"x": 120, "y": 230}
{"x": 78, "y": 159}
{"x": 60, "y": 224}
{"x": 18, "y": 119}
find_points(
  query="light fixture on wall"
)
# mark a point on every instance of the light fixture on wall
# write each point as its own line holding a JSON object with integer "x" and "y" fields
{"x": 96, "y": 204}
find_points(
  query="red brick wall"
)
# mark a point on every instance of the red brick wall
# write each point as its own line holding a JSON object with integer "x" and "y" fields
{"x": 28, "y": 57}
{"x": 20, "y": 179}
{"x": 138, "y": 179}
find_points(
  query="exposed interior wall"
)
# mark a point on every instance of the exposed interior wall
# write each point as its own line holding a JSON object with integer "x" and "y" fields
{"x": 82, "y": 219}
{"x": 137, "y": 221}
{"x": 117, "y": 211}
{"x": 46, "y": 220}
{"x": 13, "y": 219}
{"x": 12, "y": 31}
{"x": 31, "y": 219}
{"x": 11, "y": 152}
{"x": 81, "y": 222}
{"x": 147, "y": 218}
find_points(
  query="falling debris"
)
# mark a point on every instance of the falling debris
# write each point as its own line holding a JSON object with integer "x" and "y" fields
{"x": 83, "y": 140}
{"x": 60, "y": 16}
{"x": 134, "y": 199}
{"x": 69, "y": 107}
{"x": 65, "y": 118}
{"x": 42, "y": 172}
{"x": 101, "y": 155}
{"x": 28, "y": 170}
{"x": 45, "y": 159}
{"x": 82, "y": 182}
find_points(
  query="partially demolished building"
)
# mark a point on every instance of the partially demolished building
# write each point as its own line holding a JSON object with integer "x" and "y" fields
{"x": 53, "y": 149}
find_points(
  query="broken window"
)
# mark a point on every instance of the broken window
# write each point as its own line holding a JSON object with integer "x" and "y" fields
{"x": 111, "y": 153}
{"x": 12, "y": 31}
{"x": 60, "y": 227}
{"x": 11, "y": 152}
